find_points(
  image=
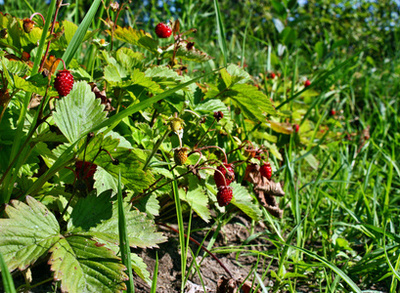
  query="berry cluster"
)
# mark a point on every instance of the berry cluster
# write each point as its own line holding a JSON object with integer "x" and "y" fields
{"x": 223, "y": 177}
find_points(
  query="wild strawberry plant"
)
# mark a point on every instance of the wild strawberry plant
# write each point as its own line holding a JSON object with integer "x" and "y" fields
{"x": 133, "y": 118}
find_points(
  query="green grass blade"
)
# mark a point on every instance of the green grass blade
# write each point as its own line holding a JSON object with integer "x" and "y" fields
{"x": 6, "y": 276}
{"x": 329, "y": 265}
{"x": 221, "y": 32}
{"x": 322, "y": 78}
{"x": 77, "y": 39}
{"x": 244, "y": 39}
{"x": 155, "y": 275}
{"x": 124, "y": 240}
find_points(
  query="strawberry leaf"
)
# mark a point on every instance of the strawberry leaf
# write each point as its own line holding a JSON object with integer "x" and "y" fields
{"x": 243, "y": 200}
{"x": 131, "y": 161}
{"x": 83, "y": 265}
{"x": 136, "y": 37}
{"x": 28, "y": 233}
{"x": 98, "y": 217}
{"x": 78, "y": 112}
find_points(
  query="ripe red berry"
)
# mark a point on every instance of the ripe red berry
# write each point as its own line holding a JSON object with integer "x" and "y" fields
{"x": 163, "y": 30}
{"x": 307, "y": 83}
{"x": 266, "y": 170}
{"x": 85, "y": 170}
{"x": 64, "y": 82}
{"x": 228, "y": 175}
{"x": 272, "y": 75}
{"x": 296, "y": 128}
{"x": 333, "y": 112}
{"x": 224, "y": 195}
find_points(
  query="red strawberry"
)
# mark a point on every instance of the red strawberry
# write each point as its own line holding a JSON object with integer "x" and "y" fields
{"x": 266, "y": 170}
{"x": 296, "y": 128}
{"x": 85, "y": 170}
{"x": 64, "y": 82}
{"x": 272, "y": 75}
{"x": 307, "y": 83}
{"x": 224, "y": 195}
{"x": 228, "y": 175}
{"x": 163, "y": 31}
{"x": 333, "y": 112}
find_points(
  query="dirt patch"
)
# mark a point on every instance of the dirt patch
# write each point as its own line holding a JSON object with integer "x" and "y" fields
{"x": 169, "y": 275}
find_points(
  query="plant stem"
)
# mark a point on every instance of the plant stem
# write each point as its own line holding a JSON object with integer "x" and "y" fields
{"x": 59, "y": 3}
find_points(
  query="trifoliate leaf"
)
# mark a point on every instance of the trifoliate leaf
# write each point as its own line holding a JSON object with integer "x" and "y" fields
{"x": 83, "y": 265}
{"x": 28, "y": 233}
{"x": 78, "y": 112}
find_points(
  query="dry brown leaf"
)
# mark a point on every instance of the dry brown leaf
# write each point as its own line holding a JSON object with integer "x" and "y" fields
{"x": 265, "y": 189}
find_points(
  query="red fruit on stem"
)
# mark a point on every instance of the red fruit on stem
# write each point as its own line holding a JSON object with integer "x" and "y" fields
{"x": 224, "y": 195}
{"x": 163, "y": 30}
{"x": 64, "y": 82}
{"x": 333, "y": 112}
{"x": 272, "y": 75}
{"x": 296, "y": 128}
{"x": 85, "y": 170}
{"x": 228, "y": 175}
{"x": 266, "y": 170}
{"x": 307, "y": 83}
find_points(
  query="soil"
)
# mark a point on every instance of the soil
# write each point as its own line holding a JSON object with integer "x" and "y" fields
{"x": 169, "y": 276}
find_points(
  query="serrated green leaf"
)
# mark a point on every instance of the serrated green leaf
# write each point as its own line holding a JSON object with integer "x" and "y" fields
{"x": 128, "y": 58}
{"x": 29, "y": 86}
{"x": 226, "y": 77}
{"x": 131, "y": 161}
{"x": 193, "y": 54}
{"x": 252, "y": 101}
{"x": 28, "y": 233}
{"x": 141, "y": 230}
{"x": 197, "y": 198}
{"x": 82, "y": 265}
{"x": 149, "y": 205}
{"x": 140, "y": 81}
{"x": 136, "y": 37}
{"x": 17, "y": 67}
{"x": 78, "y": 112}
{"x": 104, "y": 181}
{"x": 140, "y": 268}
{"x": 243, "y": 200}
{"x": 238, "y": 74}
{"x": 90, "y": 212}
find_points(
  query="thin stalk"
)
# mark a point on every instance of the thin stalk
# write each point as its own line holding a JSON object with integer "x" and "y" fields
{"x": 155, "y": 149}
